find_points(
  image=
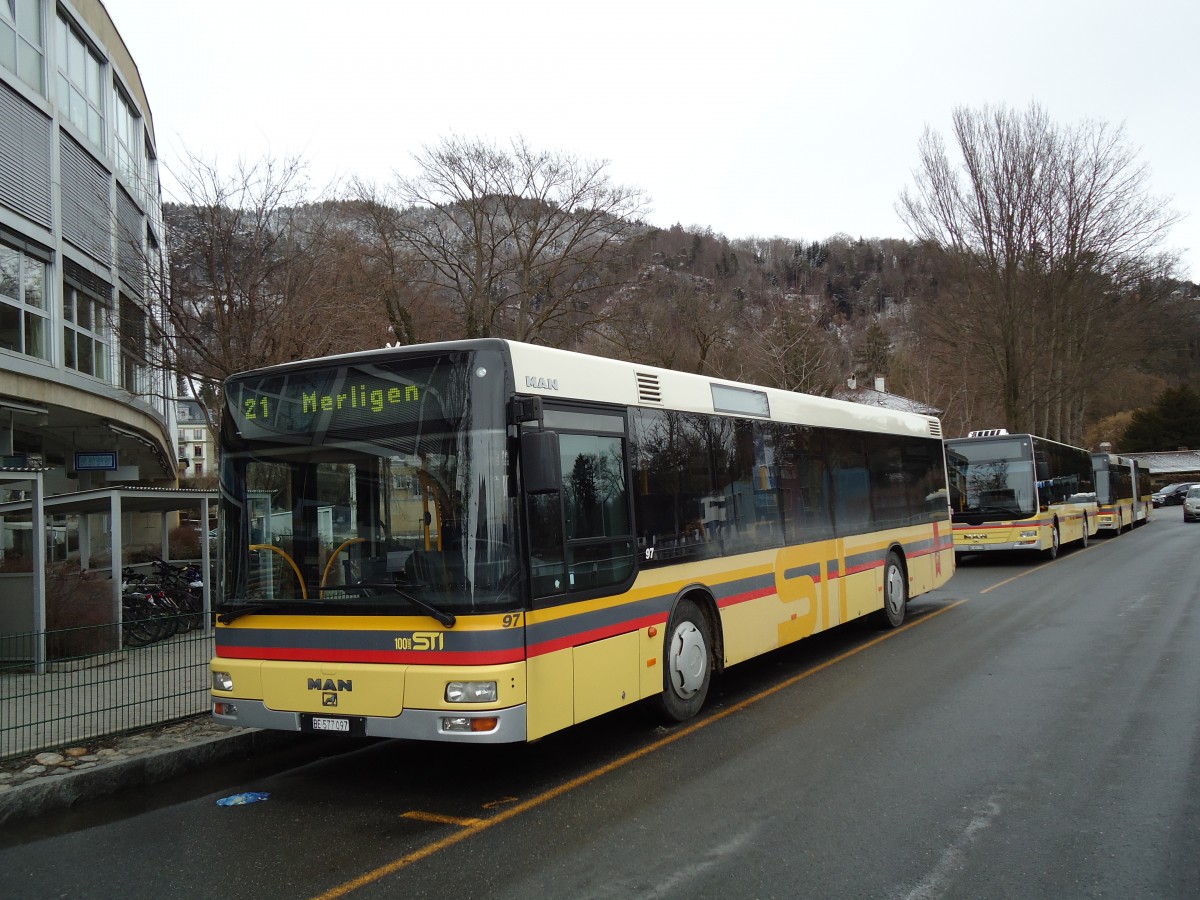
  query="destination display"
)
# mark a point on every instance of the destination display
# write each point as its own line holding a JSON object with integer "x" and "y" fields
{"x": 346, "y": 399}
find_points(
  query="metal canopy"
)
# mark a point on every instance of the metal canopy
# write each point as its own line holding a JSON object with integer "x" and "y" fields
{"x": 13, "y": 478}
{"x": 113, "y": 501}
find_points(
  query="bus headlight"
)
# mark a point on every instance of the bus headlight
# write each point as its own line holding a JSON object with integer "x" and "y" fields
{"x": 471, "y": 692}
{"x": 222, "y": 681}
{"x": 469, "y": 725}
{"x": 1028, "y": 534}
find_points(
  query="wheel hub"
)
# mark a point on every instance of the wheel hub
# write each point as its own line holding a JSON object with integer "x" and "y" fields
{"x": 688, "y": 660}
{"x": 895, "y": 590}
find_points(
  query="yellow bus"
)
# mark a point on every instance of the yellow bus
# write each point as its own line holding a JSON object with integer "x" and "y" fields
{"x": 1143, "y": 493}
{"x": 1122, "y": 492}
{"x": 1019, "y": 492}
{"x": 490, "y": 541}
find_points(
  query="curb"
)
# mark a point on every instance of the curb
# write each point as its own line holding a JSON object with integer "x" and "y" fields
{"x": 56, "y": 792}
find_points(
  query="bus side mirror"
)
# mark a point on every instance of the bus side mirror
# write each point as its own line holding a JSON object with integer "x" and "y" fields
{"x": 539, "y": 461}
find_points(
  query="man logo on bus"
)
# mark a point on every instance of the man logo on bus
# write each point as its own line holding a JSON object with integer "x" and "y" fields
{"x": 541, "y": 384}
{"x": 328, "y": 684}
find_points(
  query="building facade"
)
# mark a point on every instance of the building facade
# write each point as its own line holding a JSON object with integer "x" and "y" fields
{"x": 83, "y": 388}
{"x": 197, "y": 449}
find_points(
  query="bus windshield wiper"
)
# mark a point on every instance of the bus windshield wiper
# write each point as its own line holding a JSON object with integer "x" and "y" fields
{"x": 232, "y": 614}
{"x": 443, "y": 617}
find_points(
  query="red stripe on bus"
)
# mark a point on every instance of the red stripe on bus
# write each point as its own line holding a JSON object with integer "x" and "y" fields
{"x": 579, "y": 638}
{"x": 394, "y": 657}
{"x": 865, "y": 567}
{"x": 735, "y": 599}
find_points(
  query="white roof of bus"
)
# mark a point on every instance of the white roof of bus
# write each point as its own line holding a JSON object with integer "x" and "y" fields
{"x": 566, "y": 375}
{"x": 563, "y": 374}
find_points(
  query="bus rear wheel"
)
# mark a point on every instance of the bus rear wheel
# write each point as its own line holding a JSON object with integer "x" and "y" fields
{"x": 687, "y": 662}
{"x": 895, "y": 593}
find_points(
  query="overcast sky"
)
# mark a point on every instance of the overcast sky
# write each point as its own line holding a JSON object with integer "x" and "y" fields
{"x": 760, "y": 118}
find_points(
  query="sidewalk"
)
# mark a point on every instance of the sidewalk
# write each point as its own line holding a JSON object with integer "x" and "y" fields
{"x": 60, "y": 778}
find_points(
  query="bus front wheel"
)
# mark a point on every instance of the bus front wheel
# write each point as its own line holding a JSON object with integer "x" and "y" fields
{"x": 687, "y": 662}
{"x": 1052, "y": 551}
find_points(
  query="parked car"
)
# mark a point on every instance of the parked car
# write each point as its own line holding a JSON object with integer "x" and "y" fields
{"x": 1172, "y": 494}
{"x": 1191, "y": 504}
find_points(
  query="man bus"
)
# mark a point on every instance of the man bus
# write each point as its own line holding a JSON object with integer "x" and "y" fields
{"x": 489, "y": 541}
{"x": 1019, "y": 492}
{"x": 1122, "y": 492}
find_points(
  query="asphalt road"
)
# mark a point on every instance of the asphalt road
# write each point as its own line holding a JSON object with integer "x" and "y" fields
{"x": 1034, "y": 731}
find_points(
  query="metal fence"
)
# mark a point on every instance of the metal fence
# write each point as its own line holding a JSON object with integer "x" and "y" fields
{"x": 94, "y": 685}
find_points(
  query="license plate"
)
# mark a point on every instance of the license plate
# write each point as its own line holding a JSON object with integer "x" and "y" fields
{"x": 320, "y": 723}
{"x": 975, "y": 547}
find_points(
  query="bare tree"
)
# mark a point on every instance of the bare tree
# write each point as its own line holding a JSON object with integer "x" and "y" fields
{"x": 1041, "y": 232}
{"x": 254, "y": 279}
{"x": 383, "y": 269}
{"x": 520, "y": 241}
{"x": 790, "y": 346}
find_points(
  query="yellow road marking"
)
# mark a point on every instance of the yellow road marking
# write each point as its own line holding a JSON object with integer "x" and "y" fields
{"x": 442, "y": 820}
{"x": 503, "y": 801}
{"x": 1036, "y": 568}
{"x": 479, "y": 825}
{"x": 1001, "y": 584}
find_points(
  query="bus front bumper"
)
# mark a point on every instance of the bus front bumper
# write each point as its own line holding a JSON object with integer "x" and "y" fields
{"x": 1023, "y": 543}
{"x": 413, "y": 724}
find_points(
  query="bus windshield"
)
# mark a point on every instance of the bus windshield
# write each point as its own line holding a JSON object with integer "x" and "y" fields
{"x": 991, "y": 480}
{"x": 373, "y": 488}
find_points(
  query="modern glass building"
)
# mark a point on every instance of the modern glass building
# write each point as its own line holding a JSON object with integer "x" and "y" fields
{"x": 83, "y": 387}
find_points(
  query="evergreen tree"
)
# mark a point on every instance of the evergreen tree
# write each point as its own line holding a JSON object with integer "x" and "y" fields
{"x": 1172, "y": 422}
{"x": 874, "y": 352}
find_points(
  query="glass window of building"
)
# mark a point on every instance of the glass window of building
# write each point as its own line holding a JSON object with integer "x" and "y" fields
{"x": 79, "y": 94}
{"x": 135, "y": 368}
{"x": 87, "y": 333}
{"x": 127, "y": 128}
{"x": 8, "y": 35}
{"x": 24, "y": 318}
{"x": 21, "y": 47}
{"x": 153, "y": 189}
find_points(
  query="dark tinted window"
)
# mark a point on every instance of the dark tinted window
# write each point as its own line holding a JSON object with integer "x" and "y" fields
{"x": 581, "y": 539}
{"x": 712, "y": 485}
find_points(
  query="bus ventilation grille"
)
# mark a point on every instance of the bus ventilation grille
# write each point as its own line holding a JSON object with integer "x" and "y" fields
{"x": 649, "y": 390}
{"x": 935, "y": 428}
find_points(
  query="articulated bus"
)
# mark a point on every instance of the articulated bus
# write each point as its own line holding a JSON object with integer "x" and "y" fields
{"x": 489, "y": 541}
{"x": 1143, "y": 493}
{"x": 1122, "y": 492}
{"x": 1019, "y": 492}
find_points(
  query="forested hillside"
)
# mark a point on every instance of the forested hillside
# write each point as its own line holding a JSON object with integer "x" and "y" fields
{"x": 1066, "y": 341}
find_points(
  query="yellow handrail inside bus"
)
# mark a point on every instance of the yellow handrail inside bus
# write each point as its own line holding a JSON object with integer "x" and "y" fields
{"x": 291, "y": 562}
{"x": 333, "y": 556}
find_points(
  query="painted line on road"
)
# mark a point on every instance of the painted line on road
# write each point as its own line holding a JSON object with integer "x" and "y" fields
{"x": 1036, "y": 568}
{"x": 480, "y": 825}
{"x": 940, "y": 878}
{"x": 440, "y": 819}
{"x": 1001, "y": 584}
